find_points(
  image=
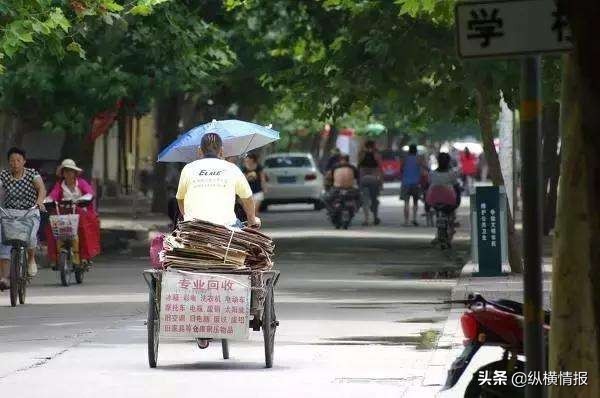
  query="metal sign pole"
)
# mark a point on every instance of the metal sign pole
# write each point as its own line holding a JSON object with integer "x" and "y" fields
{"x": 531, "y": 140}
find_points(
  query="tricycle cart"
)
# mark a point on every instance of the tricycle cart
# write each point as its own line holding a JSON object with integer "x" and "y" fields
{"x": 259, "y": 310}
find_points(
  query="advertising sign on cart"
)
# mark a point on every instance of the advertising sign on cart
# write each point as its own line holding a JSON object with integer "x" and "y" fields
{"x": 205, "y": 305}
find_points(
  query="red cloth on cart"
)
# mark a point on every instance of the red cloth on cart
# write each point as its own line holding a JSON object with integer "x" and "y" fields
{"x": 89, "y": 236}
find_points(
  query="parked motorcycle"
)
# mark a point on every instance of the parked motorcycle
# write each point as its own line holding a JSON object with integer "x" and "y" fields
{"x": 344, "y": 204}
{"x": 497, "y": 323}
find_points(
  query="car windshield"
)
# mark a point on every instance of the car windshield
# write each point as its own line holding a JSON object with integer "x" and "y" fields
{"x": 287, "y": 161}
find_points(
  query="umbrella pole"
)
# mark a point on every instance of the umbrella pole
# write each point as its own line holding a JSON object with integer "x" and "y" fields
{"x": 248, "y": 146}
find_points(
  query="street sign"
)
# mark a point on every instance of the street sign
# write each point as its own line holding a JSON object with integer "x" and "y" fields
{"x": 196, "y": 305}
{"x": 489, "y": 255}
{"x": 510, "y": 27}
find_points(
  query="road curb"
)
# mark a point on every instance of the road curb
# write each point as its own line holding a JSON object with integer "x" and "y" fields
{"x": 450, "y": 342}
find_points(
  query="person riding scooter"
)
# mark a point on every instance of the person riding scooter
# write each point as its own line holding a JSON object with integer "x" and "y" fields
{"x": 72, "y": 187}
{"x": 443, "y": 193}
{"x": 344, "y": 177}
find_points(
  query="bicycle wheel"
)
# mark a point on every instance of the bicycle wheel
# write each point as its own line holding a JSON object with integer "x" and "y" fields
{"x": 153, "y": 325}
{"x": 79, "y": 275}
{"x": 269, "y": 325}
{"x": 22, "y": 284}
{"x": 14, "y": 276}
{"x": 64, "y": 267}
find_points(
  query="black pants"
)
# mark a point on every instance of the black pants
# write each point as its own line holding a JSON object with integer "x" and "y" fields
{"x": 370, "y": 188}
{"x": 173, "y": 211}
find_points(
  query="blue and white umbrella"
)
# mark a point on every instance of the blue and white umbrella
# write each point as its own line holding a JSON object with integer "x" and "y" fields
{"x": 238, "y": 138}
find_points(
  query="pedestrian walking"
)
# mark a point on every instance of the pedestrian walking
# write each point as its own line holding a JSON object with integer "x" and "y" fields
{"x": 370, "y": 181}
{"x": 411, "y": 170}
{"x": 255, "y": 175}
{"x": 468, "y": 167}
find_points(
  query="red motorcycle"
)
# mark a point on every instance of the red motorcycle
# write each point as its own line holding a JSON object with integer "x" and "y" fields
{"x": 498, "y": 323}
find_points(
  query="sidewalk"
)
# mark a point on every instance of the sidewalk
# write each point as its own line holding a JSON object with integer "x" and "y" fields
{"x": 450, "y": 343}
{"x": 130, "y": 214}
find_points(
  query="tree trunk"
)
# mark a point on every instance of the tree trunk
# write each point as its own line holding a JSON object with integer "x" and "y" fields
{"x": 167, "y": 129}
{"x": 551, "y": 162}
{"x": 575, "y": 338}
{"x": 484, "y": 114}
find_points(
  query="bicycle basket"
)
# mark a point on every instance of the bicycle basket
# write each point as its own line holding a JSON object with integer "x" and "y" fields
{"x": 16, "y": 230}
{"x": 64, "y": 226}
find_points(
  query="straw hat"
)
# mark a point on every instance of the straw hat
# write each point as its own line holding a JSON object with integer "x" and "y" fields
{"x": 68, "y": 164}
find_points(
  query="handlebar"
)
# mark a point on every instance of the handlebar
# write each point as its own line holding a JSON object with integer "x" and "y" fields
{"x": 6, "y": 215}
{"x": 71, "y": 202}
{"x": 472, "y": 298}
{"x": 477, "y": 298}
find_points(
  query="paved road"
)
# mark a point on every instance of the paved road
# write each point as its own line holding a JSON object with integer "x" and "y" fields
{"x": 352, "y": 305}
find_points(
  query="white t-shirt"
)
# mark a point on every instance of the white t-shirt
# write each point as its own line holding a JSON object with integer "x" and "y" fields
{"x": 208, "y": 188}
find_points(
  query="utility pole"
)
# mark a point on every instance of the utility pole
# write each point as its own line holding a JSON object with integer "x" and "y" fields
{"x": 531, "y": 140}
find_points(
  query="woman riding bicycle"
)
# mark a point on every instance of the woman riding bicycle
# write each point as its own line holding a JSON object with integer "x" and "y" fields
{"x": 23, "y": 190}
{"x": 72, "y": 187}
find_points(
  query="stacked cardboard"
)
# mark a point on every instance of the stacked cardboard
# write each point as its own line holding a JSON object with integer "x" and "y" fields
{"x": 200, "y": 245}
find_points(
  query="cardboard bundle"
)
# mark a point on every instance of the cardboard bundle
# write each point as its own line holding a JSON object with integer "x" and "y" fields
{"x": 202, "y": 245}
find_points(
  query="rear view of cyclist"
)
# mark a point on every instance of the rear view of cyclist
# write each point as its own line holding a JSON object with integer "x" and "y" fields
{"x": 23, "y": 190}
{"x": 443, "y": 193}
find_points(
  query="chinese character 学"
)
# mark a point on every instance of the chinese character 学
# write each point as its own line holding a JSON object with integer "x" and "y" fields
{"x": 485, "y": 25}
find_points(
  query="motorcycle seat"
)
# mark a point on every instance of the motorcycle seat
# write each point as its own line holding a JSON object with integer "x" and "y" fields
{"x": 517, "y": 308}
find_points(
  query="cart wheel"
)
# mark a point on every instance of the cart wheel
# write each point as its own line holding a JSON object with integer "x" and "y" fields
{"x": 225, "y": 346}
{"x": 22, "y": 284}
{"x": 269, "y": 325}
{"x": 153, "y": 326}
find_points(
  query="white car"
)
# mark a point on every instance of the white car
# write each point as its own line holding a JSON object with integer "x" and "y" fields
{"x": 292, "y": 178}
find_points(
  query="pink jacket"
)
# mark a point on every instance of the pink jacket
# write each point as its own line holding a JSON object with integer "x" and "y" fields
{"x": 57, "y": 193}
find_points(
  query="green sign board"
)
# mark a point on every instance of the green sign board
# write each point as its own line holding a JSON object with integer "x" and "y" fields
{"x": 488, "y": 228}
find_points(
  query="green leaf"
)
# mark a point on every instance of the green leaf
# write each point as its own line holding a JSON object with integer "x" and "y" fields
{"x": 58, "y": 19}
{"x": 141, "y": 9}
{"x": 40, "y": 27}
{"x": 76, "y": 48}
{"x": 112, "y": 6}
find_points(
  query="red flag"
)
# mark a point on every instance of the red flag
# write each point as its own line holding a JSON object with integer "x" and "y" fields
{"x": 102, "y": 122}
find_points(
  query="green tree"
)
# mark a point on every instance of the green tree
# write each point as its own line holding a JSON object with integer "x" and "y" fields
{"x": 158, "y": 53}
{"x": 58, "y": 24}
{"x": 338, "y": 60}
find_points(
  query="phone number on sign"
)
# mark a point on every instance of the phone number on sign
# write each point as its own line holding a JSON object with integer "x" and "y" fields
{"x": 522, "y": 379}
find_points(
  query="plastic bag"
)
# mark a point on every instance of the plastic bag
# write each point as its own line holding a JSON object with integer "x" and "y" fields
{"x": 157, "y": 251}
